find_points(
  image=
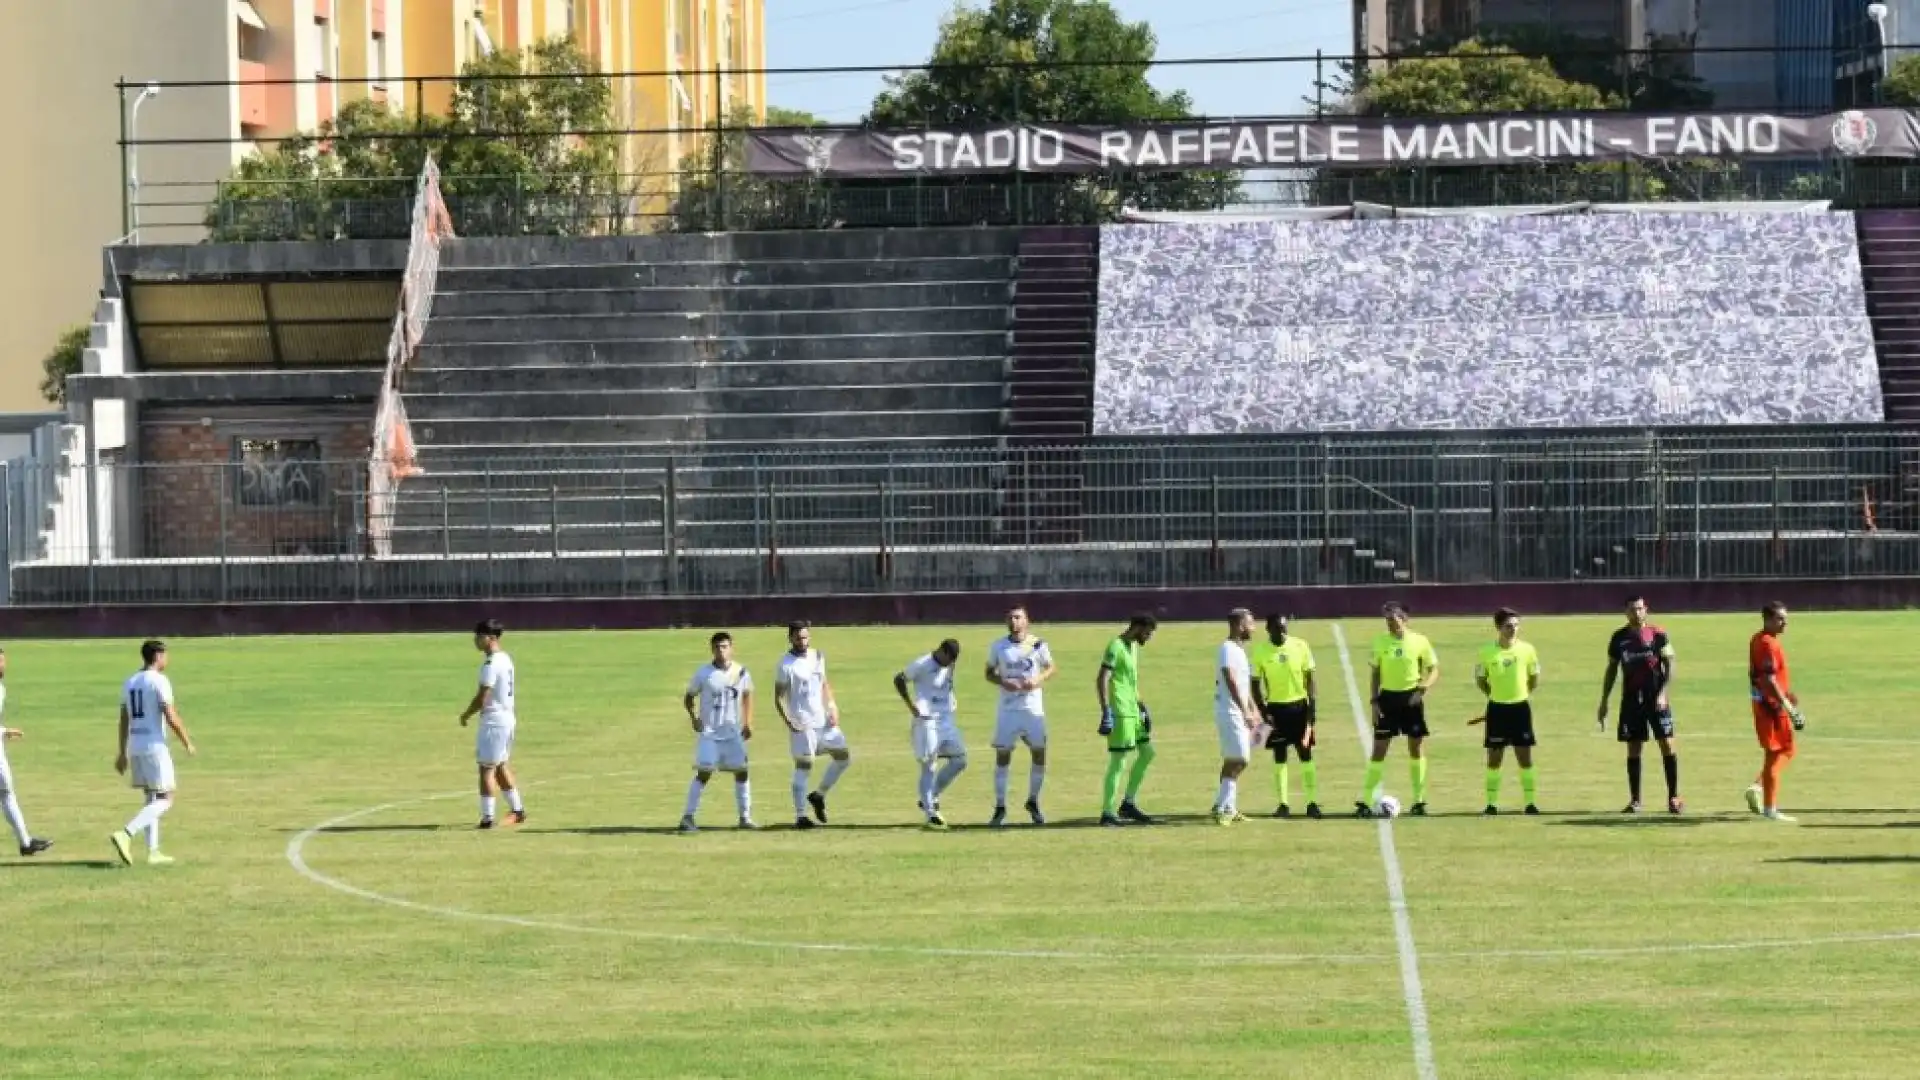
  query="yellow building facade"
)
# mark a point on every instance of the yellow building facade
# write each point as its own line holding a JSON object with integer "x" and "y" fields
{"x": 230, "y": 76}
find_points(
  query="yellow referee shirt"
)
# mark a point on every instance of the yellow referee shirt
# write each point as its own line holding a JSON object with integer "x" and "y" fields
{"x": 1507, "y": 671}
{"x": 1399, "y": 660}
{"x": 1283, "y": 670}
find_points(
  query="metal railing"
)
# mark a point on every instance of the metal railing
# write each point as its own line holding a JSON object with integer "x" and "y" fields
{"x": 1269, "y": 512}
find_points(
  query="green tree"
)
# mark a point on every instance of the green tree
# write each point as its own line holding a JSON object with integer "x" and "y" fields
{"x": 517, "y": 154}
{"x": 1048, "y": 45}
{"x": 1902, "y": 84}
{"x": 715, "y": 193}
{"x": 69, "y": 352}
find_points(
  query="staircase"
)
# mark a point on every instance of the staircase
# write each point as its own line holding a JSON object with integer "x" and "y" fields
{"x": 1890, "y": 265}
{"x": 1050, "y": 408}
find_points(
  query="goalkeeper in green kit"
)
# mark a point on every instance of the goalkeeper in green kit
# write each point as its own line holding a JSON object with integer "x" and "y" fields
{"x": 1125, "y": 721}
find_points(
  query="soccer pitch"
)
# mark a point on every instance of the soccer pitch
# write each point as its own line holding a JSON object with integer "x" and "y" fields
{"x": 593, "y": 942}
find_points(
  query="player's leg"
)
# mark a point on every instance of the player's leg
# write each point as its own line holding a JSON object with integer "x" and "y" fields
{"x": 1277, "y": 744}
{"x": 1496, "y": 756}
{"x": 1143, "y": 758}
{"x": 1376, "y": 772}
{"x": 1669, "y": 759}
{"x": 1235, "y": 750}
{"x": 706, "y": 757}
{"x": 743, "y": 798}
{"x": 10, "y": 804}
{"x": 1036, "y": 738}
{"x": 510, "y": 791}
{"x": 1521, "y": 736}
{"x": 1006, "y": 735}
{"x": 954, "y": 749}
{"x": 802, "y": 744}
{"x": 1634, "y": 748}
{"x": 833, "y": 742}
{"x": 1414, "y": 725}
{"x": 1309, "y": 769}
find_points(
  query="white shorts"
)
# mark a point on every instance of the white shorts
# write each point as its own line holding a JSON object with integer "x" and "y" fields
{"x": 812, "y": 742}
{"x": 937, "y": 736}
{"x": 6, "y": 774}
{"x": 151, "y": 770}
{"x": 493, "y": 745}
{"x": 720, "y": 755}
{"x": 1012, "y": 728}
{"x": 1236, "y": 741}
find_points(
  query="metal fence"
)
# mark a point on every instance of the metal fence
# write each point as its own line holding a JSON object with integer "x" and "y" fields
{"x": 1269, "y": 512}
{"x": 672, "y": 178}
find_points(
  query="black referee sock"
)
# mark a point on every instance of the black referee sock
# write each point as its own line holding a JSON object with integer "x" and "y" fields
{"x": 1671, "y": 762}
{"x": 1633, "y": 777}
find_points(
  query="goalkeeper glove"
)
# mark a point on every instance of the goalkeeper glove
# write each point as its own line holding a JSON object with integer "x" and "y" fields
{"x": 1146, "y": 720}
{"x": 1799, "y": 718}
{"x": 1106, "y": 721}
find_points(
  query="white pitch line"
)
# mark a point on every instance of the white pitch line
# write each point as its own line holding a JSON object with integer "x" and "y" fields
{"x": 1396, "y": 891}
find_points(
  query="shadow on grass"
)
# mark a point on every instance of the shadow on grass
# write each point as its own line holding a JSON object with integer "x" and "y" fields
{"x": 61, "y": 864}
{"x": 350, "y": 829}
{"x": 1850, "y": 860}
{"x": 1864, "y": 825}
{"x": 1168, "y": 821}
{"x": 1650, "y": 821}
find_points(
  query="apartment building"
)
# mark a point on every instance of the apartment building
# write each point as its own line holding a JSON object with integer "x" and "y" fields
{"x": 232, "y": 75}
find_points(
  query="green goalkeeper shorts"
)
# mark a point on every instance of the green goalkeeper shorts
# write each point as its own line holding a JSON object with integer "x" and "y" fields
{"x": 1126, "y": 732}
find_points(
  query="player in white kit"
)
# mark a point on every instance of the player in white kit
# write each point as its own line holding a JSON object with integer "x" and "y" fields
{"x": 1234, "y": 713}
{"x": 804, "y": 699}
{"x": 29, "y": 844}
{"x": 147, "y": 713}
{"x": 719, "y": 704}
{"x": 926, "y": 685}
{"x": 1019, "y": 664}
{"x": 493, "y": 742}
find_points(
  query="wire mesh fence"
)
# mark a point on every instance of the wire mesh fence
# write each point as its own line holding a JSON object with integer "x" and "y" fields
{"x": 1273, "y": 512}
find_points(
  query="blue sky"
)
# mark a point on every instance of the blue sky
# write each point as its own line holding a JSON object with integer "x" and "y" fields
{"x": 831, "y": 33}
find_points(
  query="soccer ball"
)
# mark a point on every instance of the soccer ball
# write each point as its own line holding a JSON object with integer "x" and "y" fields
{"x": 1387, "y": 807}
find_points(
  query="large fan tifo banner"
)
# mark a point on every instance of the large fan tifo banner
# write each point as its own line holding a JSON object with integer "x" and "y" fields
{"x": 1579, "y": 321}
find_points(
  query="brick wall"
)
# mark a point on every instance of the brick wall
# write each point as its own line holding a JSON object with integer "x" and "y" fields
{"x": 189, "y": 483}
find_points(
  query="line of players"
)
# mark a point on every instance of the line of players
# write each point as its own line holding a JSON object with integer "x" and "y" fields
{"x": 1267, "y": 699}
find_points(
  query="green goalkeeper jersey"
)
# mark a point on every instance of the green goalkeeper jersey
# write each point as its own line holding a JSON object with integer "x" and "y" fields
{"x": 1123, "y": 688}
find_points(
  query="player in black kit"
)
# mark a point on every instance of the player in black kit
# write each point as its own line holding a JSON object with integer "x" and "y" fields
{"x": 1641, "y": 653}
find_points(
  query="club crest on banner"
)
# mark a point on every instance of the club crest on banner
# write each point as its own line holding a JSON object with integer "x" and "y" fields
{"x": 1854, "y": 133}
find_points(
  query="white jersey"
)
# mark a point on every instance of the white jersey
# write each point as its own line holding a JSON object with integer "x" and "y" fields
{"x": 1010, "y": 659}
{"x": 932, "y": 686}
{"x": 717, "y": 692}
{"x": 1232, "y": 658}
{"x": 496, "y": 674}
{"x": 804, "y": 678}
{"x": 142, "y": 697}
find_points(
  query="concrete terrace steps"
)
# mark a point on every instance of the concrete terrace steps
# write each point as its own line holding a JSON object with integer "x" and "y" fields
{"x": 778, "y": 273}
{"x": 430, "y": 409}
{"x": 771, "y": 430}
{"x": 740, "y": 374}
{"x": 883, "y": 245}
{"x": 793, "y": 348}
{"x": 610, "y": 300}
{"x": 500, "y": 329}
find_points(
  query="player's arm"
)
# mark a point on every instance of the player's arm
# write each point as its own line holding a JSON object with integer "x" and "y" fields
{"x": 1313, "y": 694}
{"x": 1047, "y": 668}
{"x": 1606, "y": 688}
{"x": 782, "y": 688}
{"x": 120, "y": 759}
{"x": 993, "y": 676}
{"x": 172, "y": 717}
{"x": 1429, "y": 670}
{"x": 1373, "y": 686}
{"x": 1666, "y": 674}
{"x": 482, "y": 697}
{"x": 1259, "y": 693}
{"x": 826, "y": 695}
{"x": 1480, "y": 680}
{"x": 693, "y": 714}
{"x": 746, "y": 712}
{"x": 900, "y": 686}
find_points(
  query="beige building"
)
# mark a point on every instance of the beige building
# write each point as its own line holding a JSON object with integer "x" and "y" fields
{"x": 231, "y": 75}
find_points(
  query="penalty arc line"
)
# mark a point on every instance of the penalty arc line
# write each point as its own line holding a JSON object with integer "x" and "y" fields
{"x": 296, "y": 859}
{"x": 1416, "y": 997}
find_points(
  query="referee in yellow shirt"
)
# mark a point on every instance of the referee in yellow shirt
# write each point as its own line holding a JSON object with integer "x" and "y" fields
{"x": 1508, "y": 673}
{"x": 1405, "y": 667}
{"x": 1284, "y": 691}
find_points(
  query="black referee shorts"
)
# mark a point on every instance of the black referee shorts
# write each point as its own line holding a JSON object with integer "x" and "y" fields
{"x": 1400, "y": 714}
{"x": 1287, "y": 724}
{"x": 1509, "y": 725}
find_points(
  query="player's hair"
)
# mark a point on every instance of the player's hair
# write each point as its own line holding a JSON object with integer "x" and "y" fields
{"x": 1772, "y": 609}
{"x": 1632, "y": 599}
{"x": 151, "y": 648}
{"x": 1237, "y": 614}
{"x": 798, "y": 625}
{"x": 489, "y": 628}
{"x": 950, "y": 647}
{"x": 1503, "y": 616}
{"x": 1021, "y": 608}
{"x": 1142, "y": 620}
{"x": 1394, "y": 607}
{"x": 1276, "y": 622}
{"x": 718, "y": 637}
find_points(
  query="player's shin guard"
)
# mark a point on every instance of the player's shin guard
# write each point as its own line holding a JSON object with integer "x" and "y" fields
{"x": 1633, "y": 778}
{"x": 1671, "y": 764}
{"x": 928, "y": 784}
{"x": 743, "y": 797}
{"x": 802, "y": 778}
{"x": 835, "y": 770}
{"x": 1493, "y": 787}
{"x": 1310, "y": 779}
{"x": 513, "y": 800}
{"x": 1417, "y": 776}
{"x": 1110, "y": 783}
{"x": 948, "y": 773}
{"x": 1370, "y": 787}
{"x": 1528, "y": 787}
{"x": 1280, "y": 782}
{"x": 1000, "y": 777}
{"x": 1036, "y": 779}
{"x": 1142, "y": 760}
{"x": 15, "y": 819}
{"x": 694, "y": 791}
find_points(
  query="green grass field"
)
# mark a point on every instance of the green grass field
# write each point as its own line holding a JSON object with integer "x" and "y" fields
{"x": 594, "y": 943}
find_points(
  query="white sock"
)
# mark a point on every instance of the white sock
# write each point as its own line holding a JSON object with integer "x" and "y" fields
{"x": 148, "y": 820}
{"x": 948, "y": 772}
{"x": 1000, "y": 785}
{"x": 1224, "y": 800}
{"x": 486, "y": 808}
{"x": 513, "y": 800}
{"x": 927, "y": 783}
{"x": 802, "y": 779}
{"x": 693, "y": 796}
{"x": 12, "y": 806}
{"x": 833, "y": 774}
{"x": 1036, "y": 776}
{"x": 743, "y": 797}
